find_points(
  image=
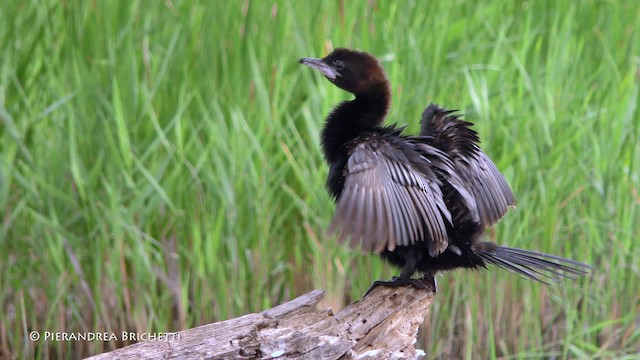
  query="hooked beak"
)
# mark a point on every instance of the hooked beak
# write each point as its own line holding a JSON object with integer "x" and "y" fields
{"x": 321, "y": 66}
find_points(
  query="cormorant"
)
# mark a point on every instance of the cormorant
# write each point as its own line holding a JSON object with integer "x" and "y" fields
{"x": 421, "y": 202}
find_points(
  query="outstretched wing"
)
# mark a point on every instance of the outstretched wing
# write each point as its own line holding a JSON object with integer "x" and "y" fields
{"x": 387, "y": 201}
{"x": 481, "y": 178}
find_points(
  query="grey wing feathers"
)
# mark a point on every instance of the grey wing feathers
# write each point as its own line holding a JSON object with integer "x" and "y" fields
{"x": 487, "y": 185}
{"x": 386, "y": 202}
{"x": 479, "y": 175}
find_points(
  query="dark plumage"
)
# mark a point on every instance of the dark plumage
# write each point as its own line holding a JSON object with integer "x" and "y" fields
{"x": 421, "y": 202}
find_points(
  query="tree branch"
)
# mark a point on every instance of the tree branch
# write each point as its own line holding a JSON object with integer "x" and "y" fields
{"x": 383, "y": 325}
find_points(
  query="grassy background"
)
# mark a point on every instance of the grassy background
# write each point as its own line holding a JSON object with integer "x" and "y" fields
{"x": 160, "y": 168}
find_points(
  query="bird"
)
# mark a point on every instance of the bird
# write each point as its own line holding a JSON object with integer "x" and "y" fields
{"x": 421, "y": 202}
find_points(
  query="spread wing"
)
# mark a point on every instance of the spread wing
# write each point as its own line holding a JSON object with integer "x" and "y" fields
{"x": 388, "y": 201}
{"x": 479, "y": 175}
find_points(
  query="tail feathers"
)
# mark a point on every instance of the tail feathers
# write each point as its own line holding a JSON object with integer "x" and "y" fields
{"x": 534, "y": 265}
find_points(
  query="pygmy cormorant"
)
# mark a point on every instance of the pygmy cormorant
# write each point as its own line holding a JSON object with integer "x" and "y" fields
{"x": 421, "y": 202}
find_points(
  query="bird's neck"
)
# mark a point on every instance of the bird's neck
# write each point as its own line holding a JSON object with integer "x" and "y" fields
{"x": 351, "y": 118}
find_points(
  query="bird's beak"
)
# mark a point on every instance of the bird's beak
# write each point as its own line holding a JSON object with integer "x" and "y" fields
{"x": 321, "y": 66}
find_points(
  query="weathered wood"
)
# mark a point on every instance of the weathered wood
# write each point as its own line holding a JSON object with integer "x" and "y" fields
{"x": 383, "y": 325}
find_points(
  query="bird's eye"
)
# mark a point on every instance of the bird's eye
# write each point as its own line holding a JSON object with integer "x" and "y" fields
{"x": 338, "y": 65}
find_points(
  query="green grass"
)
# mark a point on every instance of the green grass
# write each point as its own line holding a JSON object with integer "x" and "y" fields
{"x": 160, "y": 167}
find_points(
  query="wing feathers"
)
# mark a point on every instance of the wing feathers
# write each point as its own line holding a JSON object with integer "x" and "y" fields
{"x": 386, "y": 202}
{"x": 393, "y": 187}
{"x": 479, "y": 175}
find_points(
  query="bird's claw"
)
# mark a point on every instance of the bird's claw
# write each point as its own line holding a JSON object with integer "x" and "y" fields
{"x": 428, "y": 282}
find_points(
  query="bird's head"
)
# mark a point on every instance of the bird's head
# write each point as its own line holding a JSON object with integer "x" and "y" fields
{"x": 354, "y": 71}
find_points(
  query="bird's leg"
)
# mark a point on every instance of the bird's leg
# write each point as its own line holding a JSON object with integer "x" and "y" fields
{"x": 404, "y": 279}
{"x": 429, "y": 279}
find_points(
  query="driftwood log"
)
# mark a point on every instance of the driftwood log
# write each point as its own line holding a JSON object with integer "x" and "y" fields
{"x": 383, "y": 325}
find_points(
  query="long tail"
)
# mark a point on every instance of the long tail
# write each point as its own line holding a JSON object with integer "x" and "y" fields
{"x": 534, "y": 265}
